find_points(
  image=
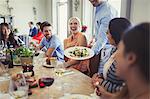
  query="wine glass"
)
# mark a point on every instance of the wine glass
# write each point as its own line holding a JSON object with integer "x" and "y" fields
{"x": 18, "y": 87}
{"x": 4, "y": 68}
{"x": 2, "y": 45}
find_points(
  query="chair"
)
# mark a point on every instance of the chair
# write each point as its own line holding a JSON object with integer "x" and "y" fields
{"x": 94, "y": 64}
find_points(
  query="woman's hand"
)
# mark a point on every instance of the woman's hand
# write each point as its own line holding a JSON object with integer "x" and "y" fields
{"x": 96, "y": 80}
{"x": 103, "y": 93}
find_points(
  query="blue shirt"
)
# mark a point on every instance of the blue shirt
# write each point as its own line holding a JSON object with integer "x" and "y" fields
{"x": 106, "y": 53}
{"x": 33, "y": 31}
{"x": 104, "y": 13}
{"x": 55, "y": 43}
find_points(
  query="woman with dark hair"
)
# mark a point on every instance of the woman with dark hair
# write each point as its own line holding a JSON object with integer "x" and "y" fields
{"x": 109, "y": 82}
{"x": 8, "y": 37}
{"x": 133, "y": 62}
{"x": 38, "y": 37}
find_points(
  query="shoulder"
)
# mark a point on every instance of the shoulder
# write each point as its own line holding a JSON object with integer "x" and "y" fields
{"x": 81, "y": 34}
{"x": 54, "y": 37}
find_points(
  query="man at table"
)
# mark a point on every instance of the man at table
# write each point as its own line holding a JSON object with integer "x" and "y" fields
{"x": 51, "y": 43}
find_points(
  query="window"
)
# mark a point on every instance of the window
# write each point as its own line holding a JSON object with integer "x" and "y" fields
{"x": 62, "y": 19}
{"x": 116, "y": 4}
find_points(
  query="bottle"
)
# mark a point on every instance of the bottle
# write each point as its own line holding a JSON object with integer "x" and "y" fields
{"x": 9, "y": 55}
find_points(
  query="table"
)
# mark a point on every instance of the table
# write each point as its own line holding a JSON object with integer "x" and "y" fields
{"x": 76, "y": 82}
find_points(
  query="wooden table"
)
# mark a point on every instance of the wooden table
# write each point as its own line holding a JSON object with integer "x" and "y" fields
{"x": 76, "y": 82}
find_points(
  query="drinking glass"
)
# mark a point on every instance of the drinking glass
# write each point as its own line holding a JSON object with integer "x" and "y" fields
{"x": 4, "y": 85}
{"x": 18, "y": 87}
{"x": 2, "y": 45}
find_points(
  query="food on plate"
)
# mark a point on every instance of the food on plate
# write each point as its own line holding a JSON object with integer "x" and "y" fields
{"x": 48, "y": 61}
{"x": 77, "y": 52}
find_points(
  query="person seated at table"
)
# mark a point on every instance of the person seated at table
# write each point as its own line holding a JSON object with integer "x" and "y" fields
{"x": 109, "y": 81}
{"x": 38, "y": 37}
{"x": 50, "y": 42}
{"x": 8, "y": 37}
{"x": 33, "y": 30}
{"x": 76, "y": 38}
{"x": 133, "y": 64}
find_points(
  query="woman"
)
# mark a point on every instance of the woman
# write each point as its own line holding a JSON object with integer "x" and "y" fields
{"x": 133, "y": 59}
{"x": 75, "y": 39}
{"x": 8, "y": 37}
{"x": 38, "y": 37}
{"x": 111, "y": 83}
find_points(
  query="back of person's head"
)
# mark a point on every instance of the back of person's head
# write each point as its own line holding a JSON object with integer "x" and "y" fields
{"x": 44, "y": 24}
{"x": 31, "y": 23}
{"x": 117, "y": 26}
{"x": 39, "y": 23}
{"x": 136, "y": 40}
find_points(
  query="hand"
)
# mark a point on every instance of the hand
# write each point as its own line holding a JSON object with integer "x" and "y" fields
{"x": 96, "y": 80}
{"x": 103, "y": 93}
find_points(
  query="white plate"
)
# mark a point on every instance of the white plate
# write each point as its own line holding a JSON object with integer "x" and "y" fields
{"x": 48, "y": 66}
{"x": 75, "y": 96}
{"x": 68, "y": 54}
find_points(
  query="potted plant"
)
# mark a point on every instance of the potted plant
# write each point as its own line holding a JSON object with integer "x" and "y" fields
{"x": 25, "y": 54}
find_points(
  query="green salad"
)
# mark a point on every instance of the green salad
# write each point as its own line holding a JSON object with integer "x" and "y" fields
{"x": 79, "y": 52}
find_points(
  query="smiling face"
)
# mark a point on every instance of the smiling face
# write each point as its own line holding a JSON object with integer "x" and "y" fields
{"x": 47, "y": 31}
{"x": 5, "y": 31}
{"x": 95, "y": 2}
{"x": 74, "y": 25}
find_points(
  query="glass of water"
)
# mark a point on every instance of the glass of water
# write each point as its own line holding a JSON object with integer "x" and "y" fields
{"x": 18, "y": 88}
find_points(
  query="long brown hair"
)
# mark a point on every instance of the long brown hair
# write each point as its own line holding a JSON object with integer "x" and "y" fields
{"x": 11, "y": 38}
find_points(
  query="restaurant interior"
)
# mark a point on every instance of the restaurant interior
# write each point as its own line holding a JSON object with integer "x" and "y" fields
{"x": 74, "y": 49}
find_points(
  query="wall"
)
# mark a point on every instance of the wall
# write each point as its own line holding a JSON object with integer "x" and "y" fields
{"x": 78, "y": 12}
{"x": 140, "y": 11}
{"x": 23, "y": 12}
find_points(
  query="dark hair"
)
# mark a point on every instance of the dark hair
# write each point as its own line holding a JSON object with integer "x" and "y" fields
{"x": 136, "y": 40}
{"x": 117, "y": 26}
{"x": 11, "y": 38}
{"x": 31, "y": 22}
{"x": 45, "y": 24}
{"x": 39, "y": 23}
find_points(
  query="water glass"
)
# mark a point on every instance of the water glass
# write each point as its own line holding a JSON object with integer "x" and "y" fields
{"x": 4, "y": 84}
{"x": 18, "y": 88}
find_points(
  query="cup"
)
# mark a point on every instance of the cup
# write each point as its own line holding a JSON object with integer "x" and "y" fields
{"x": 53, "y": 61}
{"x": 4, "y": 84}
{"x": 18, "y": 88}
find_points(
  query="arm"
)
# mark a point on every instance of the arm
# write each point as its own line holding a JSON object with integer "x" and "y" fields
{"x": 49, "y": 52}
{"x": 80, "y": 42}
{"x": 41, "y": 45}
{"x": 101, "y": 37}
{"x": 104, "y": 94}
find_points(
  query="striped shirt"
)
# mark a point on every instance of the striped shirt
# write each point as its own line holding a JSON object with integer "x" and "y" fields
{"x": 112, "y": 83}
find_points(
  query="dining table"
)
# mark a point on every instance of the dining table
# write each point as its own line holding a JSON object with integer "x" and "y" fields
{"x": 71, "y": 82}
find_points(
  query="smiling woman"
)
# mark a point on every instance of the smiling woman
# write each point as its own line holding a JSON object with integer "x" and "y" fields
{"x": 76, "y": 39}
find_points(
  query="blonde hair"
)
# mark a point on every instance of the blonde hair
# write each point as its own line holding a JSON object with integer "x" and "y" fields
{"x": 79, "y": 21}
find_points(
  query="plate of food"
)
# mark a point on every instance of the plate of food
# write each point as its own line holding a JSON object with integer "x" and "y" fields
{"x": 48, "y": 65}
{"x": 79, "y": 53}
{"x": 75, "y": 96}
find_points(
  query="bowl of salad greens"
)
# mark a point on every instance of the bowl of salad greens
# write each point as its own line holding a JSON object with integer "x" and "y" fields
{"x": 79, "y": 53}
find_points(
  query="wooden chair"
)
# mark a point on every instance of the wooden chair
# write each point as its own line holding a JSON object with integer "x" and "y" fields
{"x": 94, "y": 64}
